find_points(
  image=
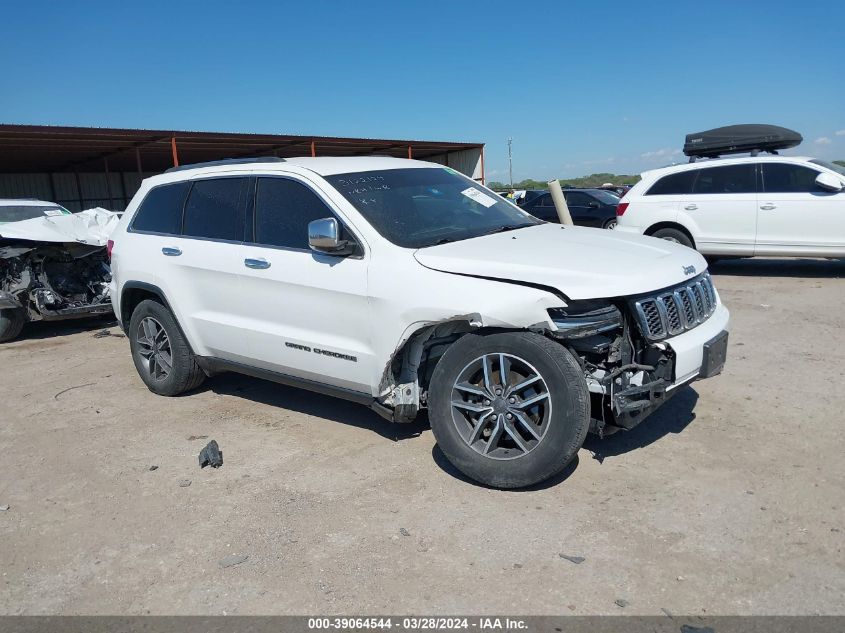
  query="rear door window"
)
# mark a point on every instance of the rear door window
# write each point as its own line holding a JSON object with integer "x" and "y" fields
{"x": 577, "y": 199}
{"x": 788, "y": 178}
{"x": 161, "y": 209}
{"x": 727, "y": 179}
{"x": 214, "y": 209}
{"x": 283, "y": 209}
{"x": 543, "y": 207}
{"x": 677, "y": 184}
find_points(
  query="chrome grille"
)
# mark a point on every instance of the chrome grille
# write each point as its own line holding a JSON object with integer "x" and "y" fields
{"x": 678, "y": 310}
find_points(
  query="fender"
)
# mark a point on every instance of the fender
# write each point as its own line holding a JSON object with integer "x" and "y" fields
{"x": 152, "y": 289}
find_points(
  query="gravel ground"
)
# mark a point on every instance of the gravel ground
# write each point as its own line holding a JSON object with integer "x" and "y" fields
{"x": 729, "y": 500}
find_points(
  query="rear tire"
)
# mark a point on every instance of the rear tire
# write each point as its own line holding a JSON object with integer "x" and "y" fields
{"x": 12, "y": 321}
{"x": 674, "y": 235}
{"x": 610, "y": 224}
{"x": 161, "y": 354}
{"x": 493, "y": 430}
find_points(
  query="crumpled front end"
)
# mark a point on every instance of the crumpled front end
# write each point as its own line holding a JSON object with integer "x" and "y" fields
{"x": 636, "y": 351}
{"x": 53, "y": 281}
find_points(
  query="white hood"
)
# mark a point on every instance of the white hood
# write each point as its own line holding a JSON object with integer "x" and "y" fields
{"x": 92, "y": 227}
{"x": 582, "y": 263}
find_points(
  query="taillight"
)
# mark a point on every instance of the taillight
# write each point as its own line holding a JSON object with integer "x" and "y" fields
{"x": 621, "y": 208}
{"x": 109, "y": 248}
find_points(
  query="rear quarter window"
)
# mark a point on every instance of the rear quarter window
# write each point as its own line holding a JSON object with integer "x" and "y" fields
{"x": 676, "y": 184}
{"x": 161, "y": 209}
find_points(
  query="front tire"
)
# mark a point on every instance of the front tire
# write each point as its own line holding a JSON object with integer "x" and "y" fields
{"x": 11, "y": 323}
{"x": 160, "y": 352}
{"x": 508, "y": 410}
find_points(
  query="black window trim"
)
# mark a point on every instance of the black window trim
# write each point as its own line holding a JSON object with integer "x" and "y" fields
{"x": 758, "y": 183}
{"x": 332, "y": 208}
{"x": 243, "y": 198}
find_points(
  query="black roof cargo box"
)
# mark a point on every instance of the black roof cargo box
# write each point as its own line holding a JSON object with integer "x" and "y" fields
{"x": 738, "y": 139}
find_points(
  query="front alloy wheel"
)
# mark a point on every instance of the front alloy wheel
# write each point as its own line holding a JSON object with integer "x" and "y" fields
{"x": 508, "y": 409}
{"x": 501, "y": 406}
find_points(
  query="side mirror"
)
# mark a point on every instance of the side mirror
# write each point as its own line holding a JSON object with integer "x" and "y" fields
{"x": 829, "y": 182}
{"x": 324, "y": 237}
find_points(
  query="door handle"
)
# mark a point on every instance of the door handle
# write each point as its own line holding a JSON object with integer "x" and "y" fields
{"x": 768, "y": 206}
{"x": 171, "y": 252}
{"x": 259, "y": 263}
{"x": 691, "y": 207}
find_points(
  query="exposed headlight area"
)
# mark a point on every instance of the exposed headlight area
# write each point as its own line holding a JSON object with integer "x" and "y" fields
{"x": 582, "y": 319}
{"x": 626, "y": 373}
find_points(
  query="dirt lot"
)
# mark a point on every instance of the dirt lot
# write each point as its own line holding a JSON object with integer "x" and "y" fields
{"x": 729, "y": 500}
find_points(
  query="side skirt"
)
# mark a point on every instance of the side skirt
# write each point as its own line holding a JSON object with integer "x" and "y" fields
{"x": 211, "y": 365}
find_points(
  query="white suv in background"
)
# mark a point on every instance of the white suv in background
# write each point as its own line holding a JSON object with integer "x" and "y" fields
{"x": 404, "y": 285}
{"x": 757, "y": 205}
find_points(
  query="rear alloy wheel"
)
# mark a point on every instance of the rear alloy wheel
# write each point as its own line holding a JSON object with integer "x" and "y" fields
{"x": 674, "y": 235}
{"x": 154, "y": 348}
{"x": 160, "y": 352}
{"x": 610, "y": 224}
{"x": 508, "y": 409}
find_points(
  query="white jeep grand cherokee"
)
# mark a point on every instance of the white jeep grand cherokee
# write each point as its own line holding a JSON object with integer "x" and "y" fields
{"x": 404, "y": 285}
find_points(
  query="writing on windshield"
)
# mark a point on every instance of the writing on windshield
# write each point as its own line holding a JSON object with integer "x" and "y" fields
{"x": 418, "y": 207}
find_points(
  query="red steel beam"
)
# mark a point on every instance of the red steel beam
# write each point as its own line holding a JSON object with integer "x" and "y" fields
{"x": 173, "y": 149}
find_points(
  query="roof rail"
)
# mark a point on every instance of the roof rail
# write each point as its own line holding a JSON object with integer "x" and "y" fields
{"x": 227, "y": 161}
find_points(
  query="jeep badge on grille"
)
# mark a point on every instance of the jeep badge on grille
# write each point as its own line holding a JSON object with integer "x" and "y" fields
{"x": 689, "y": 270}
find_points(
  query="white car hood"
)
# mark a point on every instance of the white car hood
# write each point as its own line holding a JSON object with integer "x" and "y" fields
{"x": 581, "y": 263}
{"x": 92, "y": 227}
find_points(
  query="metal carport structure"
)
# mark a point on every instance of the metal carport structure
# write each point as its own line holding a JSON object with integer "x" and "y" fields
{"x": 82, "y": 167}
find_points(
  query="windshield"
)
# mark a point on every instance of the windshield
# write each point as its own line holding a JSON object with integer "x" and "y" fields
{"x": 839, "y": 169}
{"x": 16, "y": 213}
{"x": 605, "y": 197}
{"x": 415, "y": 208}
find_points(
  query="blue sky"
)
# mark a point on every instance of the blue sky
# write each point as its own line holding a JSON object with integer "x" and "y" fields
{"x": 581, "y": 87}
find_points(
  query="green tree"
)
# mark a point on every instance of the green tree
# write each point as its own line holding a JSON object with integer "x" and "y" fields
{"x": 593, "y": 180}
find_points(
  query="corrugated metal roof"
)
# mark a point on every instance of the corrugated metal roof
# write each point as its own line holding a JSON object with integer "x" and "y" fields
{"x": 48, "y": 148}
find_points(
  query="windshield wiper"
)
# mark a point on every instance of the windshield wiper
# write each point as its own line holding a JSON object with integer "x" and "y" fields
{"x": 498, "y": 229}
{"x": 504, "y": 228}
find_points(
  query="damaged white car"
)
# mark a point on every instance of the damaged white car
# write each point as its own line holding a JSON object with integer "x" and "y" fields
{"x": 404, "y": 285}
{"x": 53, "y": 264}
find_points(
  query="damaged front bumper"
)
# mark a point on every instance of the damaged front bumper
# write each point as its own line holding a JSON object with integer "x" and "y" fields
{"x": 633, "y": 403}
{"x": 625, "y": 393}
